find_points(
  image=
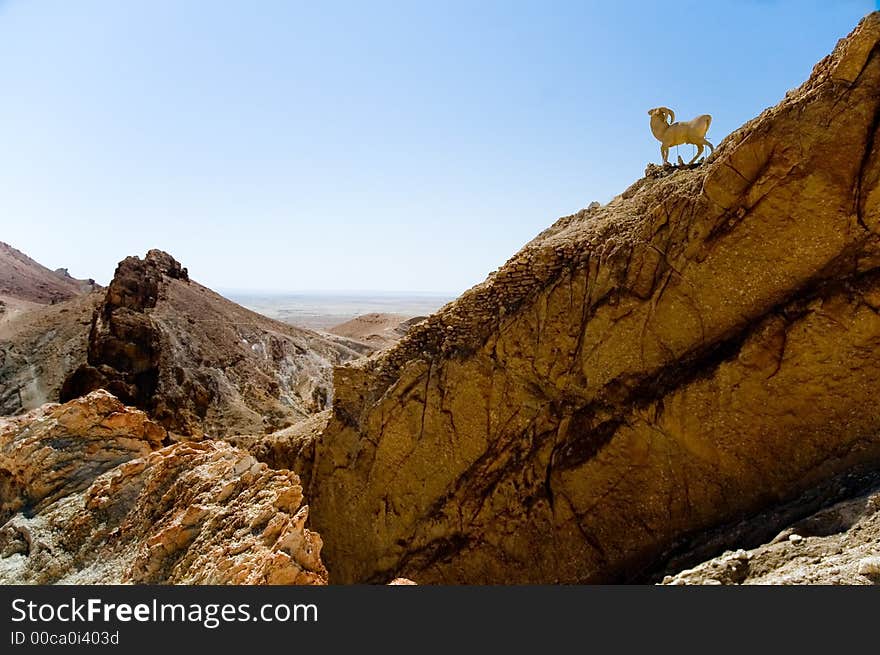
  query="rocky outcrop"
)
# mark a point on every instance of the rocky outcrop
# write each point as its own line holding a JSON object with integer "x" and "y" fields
{"x": 125, "y": 342}
{"x": 88, "y": 495}
{"x": 55, "y": 451}
{"x": 702, "y": 347}
{"x": 198, "y": 363}
{"x": 836, "y": 545}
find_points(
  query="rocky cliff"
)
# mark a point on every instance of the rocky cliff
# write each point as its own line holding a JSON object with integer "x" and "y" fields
{"x": 89, "y": 495}
{"x": 197, "y": 362}
{"x": 705, "y": 346}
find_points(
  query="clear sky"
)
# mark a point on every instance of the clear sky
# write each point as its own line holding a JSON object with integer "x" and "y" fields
{"x": 407, "y": 146}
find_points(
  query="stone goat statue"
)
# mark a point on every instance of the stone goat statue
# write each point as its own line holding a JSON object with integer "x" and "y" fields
{"x": 674, "y": 134}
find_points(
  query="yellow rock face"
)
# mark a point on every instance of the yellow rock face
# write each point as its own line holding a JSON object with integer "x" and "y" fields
{"x": 704, "y": 346}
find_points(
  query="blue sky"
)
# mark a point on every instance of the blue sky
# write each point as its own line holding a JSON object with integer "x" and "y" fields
{"x": 400, "y": 146}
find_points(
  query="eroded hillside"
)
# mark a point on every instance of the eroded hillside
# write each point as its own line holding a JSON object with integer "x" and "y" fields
{"x": 24, "y": 279}
{"x": 197, "y": 362}
{"x": 40, "y": 345}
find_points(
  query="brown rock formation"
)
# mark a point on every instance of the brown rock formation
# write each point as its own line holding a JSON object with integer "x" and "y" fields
{"x": 86, "y": 498}
{"x": 704, "y": 346}
{"x": 197, "y": 362}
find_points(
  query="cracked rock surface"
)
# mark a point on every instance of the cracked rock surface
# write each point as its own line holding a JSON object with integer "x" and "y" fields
{"x": 89, "y": 495}
{"x": 702, "y": 347}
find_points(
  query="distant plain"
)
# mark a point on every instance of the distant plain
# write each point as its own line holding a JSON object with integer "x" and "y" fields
{"x": 321, "y": 311}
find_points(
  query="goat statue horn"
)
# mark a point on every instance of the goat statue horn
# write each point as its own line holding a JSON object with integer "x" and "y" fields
{"x": 670, "y": 112}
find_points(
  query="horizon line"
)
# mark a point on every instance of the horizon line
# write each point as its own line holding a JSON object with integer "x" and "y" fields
{"x": 340, "y": 292}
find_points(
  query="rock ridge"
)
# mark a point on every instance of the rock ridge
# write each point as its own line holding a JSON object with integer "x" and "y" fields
{"x": 705, "y": 345}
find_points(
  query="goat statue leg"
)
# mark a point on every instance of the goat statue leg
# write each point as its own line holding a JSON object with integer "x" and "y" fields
{"x": 699, "y": 152}
{"x": 664, "y": 150}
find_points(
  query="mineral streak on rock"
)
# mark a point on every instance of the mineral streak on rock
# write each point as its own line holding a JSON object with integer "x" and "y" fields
{"x": 705, "y": 345}
{"x": 88, "y": 495}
